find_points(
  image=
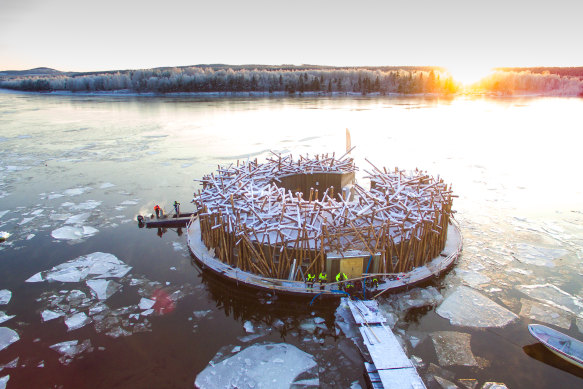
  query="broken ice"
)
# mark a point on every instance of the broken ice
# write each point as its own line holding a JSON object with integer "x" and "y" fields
{"x": 103, "y": 289}
{"x": 552, "y": 295}
{"x": 7, "y": 337}
{"x": 146, "y": 303}
{"x": 453, "y": 348}
{"x": 71, "y": 349}
{"x": 47, "y": 314}
{"x": 93, "y": 266}
{"x": 467, "y": 307}
{"x": 272, "y": 365}
{"x": 5, "y": 296}
{"x": 77, "y": 320}
{"x": 545, "y": 313}
{"x": 73, "y": 233}
{"x": 4, "y": 317}
{"x": 249, "y": 327}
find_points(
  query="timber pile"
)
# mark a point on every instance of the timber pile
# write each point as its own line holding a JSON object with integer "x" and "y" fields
{"x": 258, "y": 226}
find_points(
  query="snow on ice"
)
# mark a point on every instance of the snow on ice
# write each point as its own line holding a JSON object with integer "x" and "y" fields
{"x": 467, "y": 307}
{"x": 103, "y": 289}
{"x": 554, "y": 296}
{"x": 73, "y": 233}
{"x": 271, "y": 365}
{"x": 77, "y": 320}
{"x": 71, "y": 349}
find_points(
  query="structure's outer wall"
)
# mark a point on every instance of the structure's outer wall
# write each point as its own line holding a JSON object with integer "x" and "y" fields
{"x": 311, "y": 182}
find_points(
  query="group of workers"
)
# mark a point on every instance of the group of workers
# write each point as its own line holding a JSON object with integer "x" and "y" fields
{"x": 160, "y": 212}
{"x": 344, "y": 284}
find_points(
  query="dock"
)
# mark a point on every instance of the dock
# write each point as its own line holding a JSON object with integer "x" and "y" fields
{"x": 390, "y": 367}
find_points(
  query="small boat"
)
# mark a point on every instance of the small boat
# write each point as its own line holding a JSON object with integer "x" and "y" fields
{"x": 570, "y": 349}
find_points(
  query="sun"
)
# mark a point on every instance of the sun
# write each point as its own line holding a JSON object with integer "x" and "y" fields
{"x": 468, "y": 73}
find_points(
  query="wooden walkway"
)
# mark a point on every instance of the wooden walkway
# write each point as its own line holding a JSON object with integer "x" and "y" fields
{"x": 391, "y": 368}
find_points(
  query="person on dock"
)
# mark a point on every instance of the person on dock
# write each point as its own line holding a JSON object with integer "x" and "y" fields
{"x": 177, "y": 208}
{"x": 349, "y": 288}
{"x": 311, "y": 280}
{"x": 340, "y": 278}
{"x": 322, "y": 279}
{"x": 158, "y": 210}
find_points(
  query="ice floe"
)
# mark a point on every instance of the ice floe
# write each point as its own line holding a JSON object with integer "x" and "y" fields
{"x": 5, "y": 296}
{"x": 453, "y": 348}
{"x": 272, "y": 365}
{"x": 48, "y": 314}
{"x": 248, "y": 327}
{"x": 545, "y": 313}
{"x": 78, "y": 219}
{"x": 4, "y": 317}
{"x": 554, "y": 296}
{"x": 467, "y": 307}
{"x": 4, "y": 381}
{"x": 77, "y": 320}
{"x": 73, "y": 233}
{"x": 106, "y": 185}
{"x": 537, "y": 255}
{"x": 7, "y": 337}
{"x": 103, "y": 289}
{"x": 87, "y": 205}
{"x": 92, "y": 266}
{"x": 71, "y": 349}
{"x": 146, "y": 303}
{"x": 77, "y": 191}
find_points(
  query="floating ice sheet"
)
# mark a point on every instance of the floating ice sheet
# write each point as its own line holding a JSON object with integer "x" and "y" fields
{"x": 5, "y": 296}
{"x": 4, "y": 317}
{"x": 552, "y": 295}
{"x": 103, "y": 289}
{"x": 73, "y": 233}
{"x": 78, "y": 219}
{"x": 92, "y": 266}
{"x": 7, "y": 337}
{"x": 472, "y": 278}
{"x": 248, "y": 327}
{"x": 106, "y": 185}
{"x": 70, "y": 349}
{"x": 275, "y": 365}
{"x": 47, "y": 314}
{"x": 146, "y": 303}
{"x": 539, "y": 256}
{"x": 419, "y": 297}
{"x": 467, "y": 307}
{"x": 544, "y": 313}
{"x": 453, "y": 348}
{"x": 4, "y": 381}
{"x": 76, "y": 191}
{"x": 77, "y": 320}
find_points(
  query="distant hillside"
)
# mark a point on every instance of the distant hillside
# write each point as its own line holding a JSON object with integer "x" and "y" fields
{"x": 31, "y": 72}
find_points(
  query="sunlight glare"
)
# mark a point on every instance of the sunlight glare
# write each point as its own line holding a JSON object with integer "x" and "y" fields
{"x": 469, "y": 73}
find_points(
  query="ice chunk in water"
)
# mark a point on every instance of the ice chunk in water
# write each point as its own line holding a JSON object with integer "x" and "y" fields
{"x": 71, "y": 349}
{"x": 201, "y": 314}
{"x": 539, "y": 256}
{"x": 73, "y": 233}
{"x": 551, "y": 295}
{"x": 494, "y": 385}
{"x": 78, "y": 219}
{"x": 544, "y": 313}
{"x": 5, "y": 296}
{"x": 50, "y": 315}
{"x": 92, "y": 266}
{"x": 419, "y": 297}
{"x": 467, "y": 307}
{"x": 4, "y": 317}
{"x": 472, "y": 278}
{"x": 76, "y": 191}
{"x": 146, "y": 303}
{"x": 77, "y": 320}
{"x": 273, "y": 365}
{"x": 106, "y": 185}
{"x": 453, "y": 348}
{"x": 249, "y": 327}
{"x": 87, "y": 205}
{"x": 7, "y": 337}
{"x": 4, "y": 381}
{"x": 103, "y": 289}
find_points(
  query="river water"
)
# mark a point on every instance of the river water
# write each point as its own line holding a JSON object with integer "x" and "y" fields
{"x": 76, "y": 170}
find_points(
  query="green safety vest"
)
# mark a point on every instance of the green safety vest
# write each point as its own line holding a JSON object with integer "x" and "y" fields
{"x": 311, "y": 277}
{"x": 341, "y": 277}
{"x": 322, "y": 277}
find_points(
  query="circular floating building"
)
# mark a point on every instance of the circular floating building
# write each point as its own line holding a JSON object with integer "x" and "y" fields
{"x": 278, "y": 225}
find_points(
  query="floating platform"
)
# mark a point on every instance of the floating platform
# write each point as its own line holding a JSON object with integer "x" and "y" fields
{"x": 165, "y": 221}
{"x": 387, "y": 282}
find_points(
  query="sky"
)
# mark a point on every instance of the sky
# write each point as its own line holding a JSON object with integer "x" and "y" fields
{"x": 77, "y": 35}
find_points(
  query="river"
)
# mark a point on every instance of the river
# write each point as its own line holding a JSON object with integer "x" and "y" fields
{"x": 76, "y": 170}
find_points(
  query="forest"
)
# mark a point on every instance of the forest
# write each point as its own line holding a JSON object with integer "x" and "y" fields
{"x": 298, "y": 80}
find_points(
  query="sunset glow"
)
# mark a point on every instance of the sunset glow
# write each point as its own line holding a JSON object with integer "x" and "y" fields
{"x": 469, "y": 74}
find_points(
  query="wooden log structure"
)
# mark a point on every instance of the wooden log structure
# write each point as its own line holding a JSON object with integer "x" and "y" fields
{"x": 265, "y": 217}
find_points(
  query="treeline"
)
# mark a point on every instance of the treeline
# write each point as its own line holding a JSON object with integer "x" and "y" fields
{"x": 229, "y": 79}
{"x": 305, "y": 79}
{"x": 527, "y": 82}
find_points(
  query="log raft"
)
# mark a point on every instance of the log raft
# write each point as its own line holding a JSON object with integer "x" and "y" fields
{"x": 268, "y": 225}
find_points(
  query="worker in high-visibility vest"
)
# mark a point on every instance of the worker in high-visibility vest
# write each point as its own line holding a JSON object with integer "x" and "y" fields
{"x": 340, "y": 278}
{"x": 311, "y": 280}
{"x": 322, "y": 279}
{"x": 157, "y": 210}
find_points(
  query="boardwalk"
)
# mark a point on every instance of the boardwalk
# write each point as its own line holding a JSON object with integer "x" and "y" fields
{"x": 391, "y": 368}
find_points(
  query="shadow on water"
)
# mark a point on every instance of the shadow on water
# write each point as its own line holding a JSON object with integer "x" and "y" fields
{"x": 539, "y": 352}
